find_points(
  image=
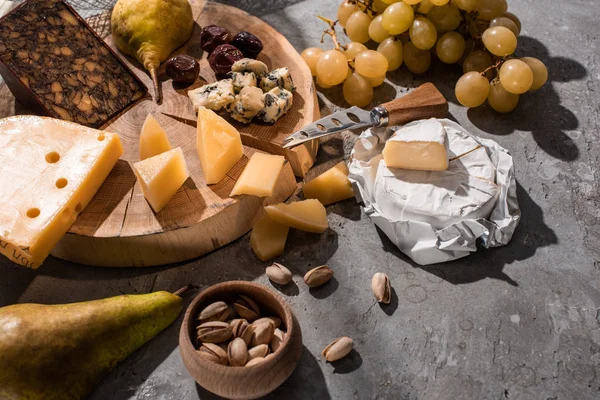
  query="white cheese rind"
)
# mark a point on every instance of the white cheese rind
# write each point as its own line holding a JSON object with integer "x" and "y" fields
{"x": 278, "y": 101}
{"x": 279, "y": 77}
{"x": 213, "y": 96}
{"x": 430, "y": 130}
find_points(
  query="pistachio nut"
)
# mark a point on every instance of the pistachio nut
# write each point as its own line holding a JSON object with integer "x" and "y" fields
{"x": 258, "y": 351}
{"x": 238, "y": 326}
{"x": 247, "y": 308}
{"x": 254, "y": 361}
{"x": 213, "y": 353}
{"x": 382, "y": 288}
{"x": 279, "y": 274}
{"x": 217, "y": 311}
{"x": 276, "y": 321}
{"x": 277, "y": 340}
{"x": 232, "y": 314}
{"x": 337, "y": 349}
{"x": 263, "y": 333}
{"x": 214, "y": 332}
{"x": 263, "y": 320}
{"x": 237, "y": 352}
{"x": 247, "y": 333}
{"x": 318, "y": 276}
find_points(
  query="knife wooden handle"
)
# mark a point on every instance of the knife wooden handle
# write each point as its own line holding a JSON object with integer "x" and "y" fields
{"x": 424, "y": 102}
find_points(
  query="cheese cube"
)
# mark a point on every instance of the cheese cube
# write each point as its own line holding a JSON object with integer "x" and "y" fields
{"x": 153, "y": 139}
{"x": 161, "y": 177}
{"x": 418, "y": 147}
{"x": 259, "y": 68}
{"x": 268, "y": 238}
{"x": 331, "y": 186}
{"x": 49, "y": 171}
{"x": 219, "y": 145}
{"x": 277, "y": 102}
{"x": 247, "y": 104}
{"x": 213, "y": 96}
{"x": 277, "y": 78}
{"x": 241, "y": 80}
{"x": 259, "y": 176}
{"x": 307, "y": 215}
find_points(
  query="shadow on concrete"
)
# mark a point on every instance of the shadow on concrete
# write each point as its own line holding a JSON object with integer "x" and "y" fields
{"x": 348, "y": 364}
{"x": 326, "y": 290}
{"x": 389, "y": 309}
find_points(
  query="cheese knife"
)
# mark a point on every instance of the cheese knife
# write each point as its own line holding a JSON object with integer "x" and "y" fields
{"x": 424, "y": 102}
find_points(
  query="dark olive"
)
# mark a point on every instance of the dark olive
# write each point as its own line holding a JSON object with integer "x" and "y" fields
{"x": 223, "y": 57}
{"x": 248, "y": 44}
{"x": 212, "y": 36}
{"x": 183, "y": 69}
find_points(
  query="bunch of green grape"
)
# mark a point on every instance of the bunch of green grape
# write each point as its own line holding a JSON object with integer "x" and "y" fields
{"x": 479, "y": 34}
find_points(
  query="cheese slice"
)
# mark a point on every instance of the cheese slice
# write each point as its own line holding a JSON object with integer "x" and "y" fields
{"x": 268, "y": 238}
{"x": 219, "y": 145}
{"x": 308, "y": 215}
{"x": 49, "y": 172}
{"x": 259, "y": 176}
{"x": 331, "y": 186}
{"x": 161, "y": 177}
{"x": 153, "y": 139}
{"x": 418, "y": 147}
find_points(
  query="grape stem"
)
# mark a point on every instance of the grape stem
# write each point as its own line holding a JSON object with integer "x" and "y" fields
{"x": 488, "y": 69}
{"x": 367, "y": 4}
{"x": 331, "y": 31}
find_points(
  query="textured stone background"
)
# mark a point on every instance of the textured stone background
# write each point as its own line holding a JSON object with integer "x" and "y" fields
{"x": 518, "y": 322}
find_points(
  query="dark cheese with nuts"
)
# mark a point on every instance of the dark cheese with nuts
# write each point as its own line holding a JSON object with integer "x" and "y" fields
{"x": 56, "y": 65}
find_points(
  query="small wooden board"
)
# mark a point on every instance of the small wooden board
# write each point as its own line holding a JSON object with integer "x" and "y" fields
{"x": 119, "y": 229}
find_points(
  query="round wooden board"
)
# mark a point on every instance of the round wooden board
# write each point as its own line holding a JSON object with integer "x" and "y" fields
{"x": 119, "y": 229}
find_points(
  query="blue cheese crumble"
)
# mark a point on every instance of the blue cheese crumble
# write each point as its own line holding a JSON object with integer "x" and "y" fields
{"x": 278, "y": 101}
{"x": 247, "y": 104}
{"x": 249, "y": 65}
{"x": 242, "y": 79}
{"x": 277, "y": 78}
{"x": 213, "y": 96}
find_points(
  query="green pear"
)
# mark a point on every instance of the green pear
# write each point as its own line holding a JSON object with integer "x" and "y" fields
{"x": 150, "y": 30}
{"x": 61, "y": 352}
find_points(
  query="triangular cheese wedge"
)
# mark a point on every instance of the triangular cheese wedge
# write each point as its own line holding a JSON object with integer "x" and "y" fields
{"x": 153, "y": 139}
{"x": 268, "y": 238}
{"x": 49, "y": 171}
{"x": 331, "y": 186}
{"x": 308, "y": 215}
{"x": 259, "y": 176}
{"x": 161, "y": 177}
{"x": 219, "y": 145}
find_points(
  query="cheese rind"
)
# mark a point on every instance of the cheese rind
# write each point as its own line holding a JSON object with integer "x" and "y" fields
{"x": 268, "y": 238}
{"x": 418, "y": 147}
{"x": 219, "y": 145}
{"x": 153, "y": 139}
{"x": 49, "y": 172}
{"x": 259, "y": 176}
{"x": 161, "y": 177}
{"x": 331, "y": 186}
{"x": 308, "y": 215}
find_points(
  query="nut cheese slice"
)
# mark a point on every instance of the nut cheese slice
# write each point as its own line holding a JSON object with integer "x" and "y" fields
{"x": 49, "y": 171}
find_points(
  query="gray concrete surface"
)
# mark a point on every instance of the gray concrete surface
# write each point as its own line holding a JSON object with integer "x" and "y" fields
{"x": 518, "y": 322}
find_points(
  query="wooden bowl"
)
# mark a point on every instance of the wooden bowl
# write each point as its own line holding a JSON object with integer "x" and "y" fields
{"x": 242, "y": 382}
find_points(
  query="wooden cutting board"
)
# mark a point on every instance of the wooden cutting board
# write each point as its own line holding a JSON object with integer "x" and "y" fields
{"x": 119, "y": 229}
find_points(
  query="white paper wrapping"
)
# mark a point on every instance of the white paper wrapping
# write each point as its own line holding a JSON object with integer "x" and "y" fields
{"x": 420, "y": 240}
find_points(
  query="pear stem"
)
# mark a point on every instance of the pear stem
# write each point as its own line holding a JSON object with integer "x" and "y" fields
{"x": 184, "y": 289}
{"x": 157, "y": 91}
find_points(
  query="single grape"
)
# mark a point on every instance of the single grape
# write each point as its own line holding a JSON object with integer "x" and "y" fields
{"x": 450, "y": 47}
{"x": 501, "y": 100}
{"x": 412, "y": 2}
{"x": 490, "y": 9}
{"x": 499, "y": 41}
{"x": 423, "y": 33}
{"x": 478, "y": 61}
{"x": 332, "y": 67}
{"x": 424, "y": 7}
{"x": 357, "y": 91}
{"x": 466, "y": 5}
{"x": 353, "y": 48}
{"x": 445, "y": 18}
{"x": 370, "y": 64}
{"x": 376, "y": 31}
{"x": 311, "y": 57}
{"x": 416, "y": 60}
{"x": 505, "y": 22}
{"x": 516, "y": 76}
{"x": 514, "y": 19}
{"x": 391, "y": 48}
{"x": 357, "y": 27}
{"x": 472, "y": 89}
{"x": 376, "y": 81}
{"x": 322, "y": 85}
{"x": 476, "y": 27}
{"x": 345, "y": 10}
{"x": 439, "y": 2}
{"x": 397, "y": 18}
{"x": 540, "y": 72}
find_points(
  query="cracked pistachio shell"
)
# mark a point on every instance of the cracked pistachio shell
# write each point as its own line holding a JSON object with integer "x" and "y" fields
{"x": 255, "y": 361}
{"x": 279, "y": 274}
{"x": 214, "y": 332}
{"x": 258, "y": 351}
{"x": 218, "y": 311}
{"x": 338, "y": 349}
{"x": 213, "y": 353}
{"x": 382, "y": 289}
{"x": 277, "y": 340}
{"x": 318, "y": 276}
{"x": 247, "y": 333}
{"x": 263, "y": 333}
{"x": 247, "y": 308}
{"x": 237, "y": 352}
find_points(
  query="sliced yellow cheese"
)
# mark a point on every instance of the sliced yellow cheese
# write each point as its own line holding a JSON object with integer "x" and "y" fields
{"x": 49, "y": 172}
{"x": 260, "y": 175}
{"x": 308, "y": 215}
{"x": 161, "y": 177}
{"x": 331, "y": 186}
{"x": 268, "y": 238}
{"x": 219, "y": 145}
{"x": 153, "y": 139}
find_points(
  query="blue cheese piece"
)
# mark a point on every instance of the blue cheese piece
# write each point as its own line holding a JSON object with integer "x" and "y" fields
{"x": 247, "y": 104}
{"x": 249, "y": 65}
{"x": 213, "y": 96}
{"x": 277, "y": 78}
{"x": 242, "y": 79}
{"x": 278, "y": 101}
